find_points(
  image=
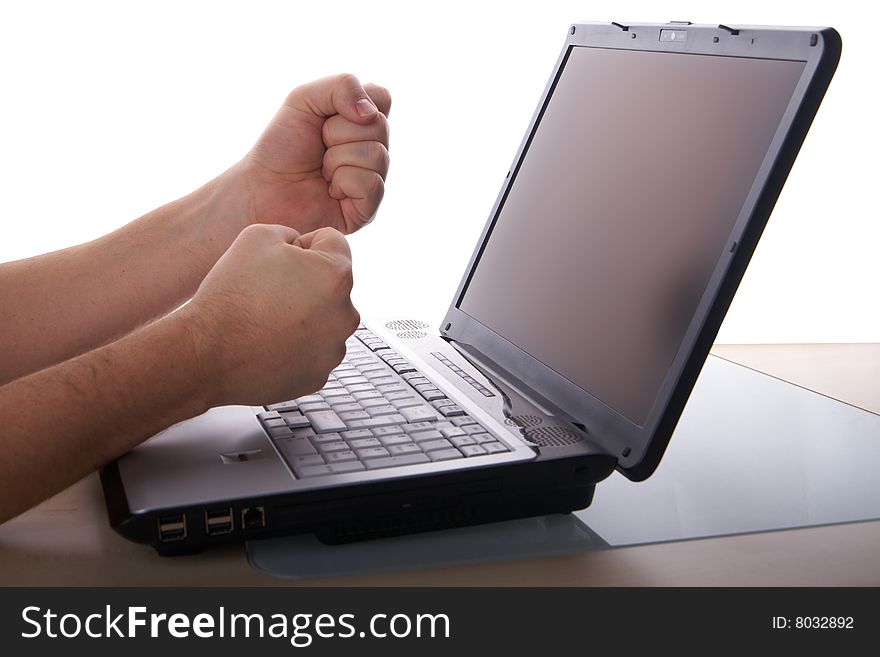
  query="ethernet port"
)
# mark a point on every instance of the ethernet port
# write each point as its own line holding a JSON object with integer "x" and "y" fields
{"x": 253, "y": 517}
{"x": 218, "y": 521}
{"x": 172, "y": 528}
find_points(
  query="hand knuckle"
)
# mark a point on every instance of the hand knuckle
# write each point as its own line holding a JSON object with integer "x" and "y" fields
{"x": 253, "y": 231}
{"x": 384, "y": 129}
{"x": 377, "y": 186}
{"x": 344, "y": 279}
{"x": 348, "y": 80}
{"x": 376, "y": 152}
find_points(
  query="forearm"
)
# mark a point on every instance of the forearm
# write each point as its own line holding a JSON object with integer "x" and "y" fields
{"x": 61, "y": 304}
{"x": 61, "y": 423}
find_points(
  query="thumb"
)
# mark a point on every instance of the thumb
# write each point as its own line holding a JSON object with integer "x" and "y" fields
{"x": 325, "y": 240}
{"x": 338, "y": 94}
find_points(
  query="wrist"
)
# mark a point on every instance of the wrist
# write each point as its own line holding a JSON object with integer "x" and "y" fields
{"x": 207, "y": 221}
{"x": 199, "y": 355}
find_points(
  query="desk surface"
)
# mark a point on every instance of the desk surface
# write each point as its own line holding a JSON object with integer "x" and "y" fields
{"x": 67, "y": 541}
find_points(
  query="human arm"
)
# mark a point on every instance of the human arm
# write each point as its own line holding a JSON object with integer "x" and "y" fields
{"x": 320, "y": 162}
{"x": 274, "y": 297}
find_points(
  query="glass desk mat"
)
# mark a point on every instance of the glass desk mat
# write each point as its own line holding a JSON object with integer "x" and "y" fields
{"x": 751, "y": 453}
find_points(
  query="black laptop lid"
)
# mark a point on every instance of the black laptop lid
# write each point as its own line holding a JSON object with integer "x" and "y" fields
{"x": 627, "y": 220}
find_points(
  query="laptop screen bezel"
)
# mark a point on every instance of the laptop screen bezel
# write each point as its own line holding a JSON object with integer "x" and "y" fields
{"x": 639, "y": 448}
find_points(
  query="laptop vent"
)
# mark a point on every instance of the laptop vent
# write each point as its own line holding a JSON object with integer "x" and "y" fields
{"x": 406, "y": 325}
{"x": 553, "y": 436}
{"x": 412, "y": 335}
{"x": 525, "y": 421}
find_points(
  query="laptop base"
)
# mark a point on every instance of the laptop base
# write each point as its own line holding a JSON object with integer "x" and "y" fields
{"x": 390, "y": 508}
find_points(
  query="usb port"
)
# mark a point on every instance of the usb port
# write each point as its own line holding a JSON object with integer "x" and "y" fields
{"x": 172, "y": 528}
{"x": 253, "y": 517}
{"x": 218, "y": 521}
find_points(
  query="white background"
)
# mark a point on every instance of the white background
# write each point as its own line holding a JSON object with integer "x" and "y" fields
{"x": 112, "y": 108}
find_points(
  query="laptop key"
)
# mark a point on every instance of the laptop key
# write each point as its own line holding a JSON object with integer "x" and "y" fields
{"x": 296, "y": 420}
{"x": 335, "y": 446}
{"x": 444, "y": 454}
{"x": 338, "y": 457}
{"x": 375, "y": 401}
{"x": 309, "y": 398}
{"x": 280, "y": 432}
{"x": 462, "y": 420}
{"x": 426, "y": 435}
{"x": 330, "y": 395}
{"x": 480, "y": 438}
{"x": 314, "y": 406}
{"x": 348, "y": 416}
{"x": 312, "y": 470}
{"x": 416, "y": 427}
{"x": 348, "y": 375}
{"x": 356, "y": 433}
{"x": 347, "y": 408}
{"x": 342, "y": 399}
{"x": 473, "y": 428}
{"x": 394, "y": 461}
{"x": 493, "y": 448}
{"x": 386, "y": 431}
{"x": 374, "y": 422}
{"x": 380, "y": 376}
{"x": 307, "y": 459}
{"x": 283, "y": 406}
{"x": 461, "y": 441}
{"x": 406, "y": 402}
{"x": 404, "y": 448}
{"x": 318, "y": 439}
{"x": 292, "y": 447}
{"x": 473, "y": 450}
{"x": 442, "y": 402}
{"x": 325, "y": 422}
{"x": 387, "y": 409}
{"x": 432, "y": 395}
{"x": 436, "y": 443}
{"x": 359, "y": 387}
{"x": 359, "y": 443}
{"x": 366, "y": 394}
{"x": 390, "y": 387}
{"x": 399, "y": 439}
{"x": 453, "y": 432}
{"x": 450, "y": 411}
{"x": 391, "y": 396}
{"x": 419, "y": 414}
{"x": 371, "y": 453}
{"x": 346, "y": 466}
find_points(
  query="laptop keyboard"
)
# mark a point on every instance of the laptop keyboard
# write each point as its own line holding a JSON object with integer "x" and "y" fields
{"x": 375, "y": 411}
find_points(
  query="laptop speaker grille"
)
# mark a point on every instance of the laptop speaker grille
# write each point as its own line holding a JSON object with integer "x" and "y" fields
{"x": 553, "y": 436}
{"x": 525, "y": 421}
{"x": 406, "y": 325}
{"x": 412, "y": 335}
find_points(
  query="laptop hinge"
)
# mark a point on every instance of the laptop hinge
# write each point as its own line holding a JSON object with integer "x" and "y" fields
{"x": 500, "y": 376}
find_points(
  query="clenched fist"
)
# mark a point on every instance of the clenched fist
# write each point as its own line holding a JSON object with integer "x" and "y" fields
{"x": 323, "y": 159}
{"x": 270, "y": 320}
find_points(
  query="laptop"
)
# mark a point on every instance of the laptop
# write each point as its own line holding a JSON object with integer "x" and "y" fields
{"x": 572, "y": 343}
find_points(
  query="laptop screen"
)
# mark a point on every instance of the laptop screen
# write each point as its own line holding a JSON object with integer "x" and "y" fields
{"x": 620, "y": 210}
